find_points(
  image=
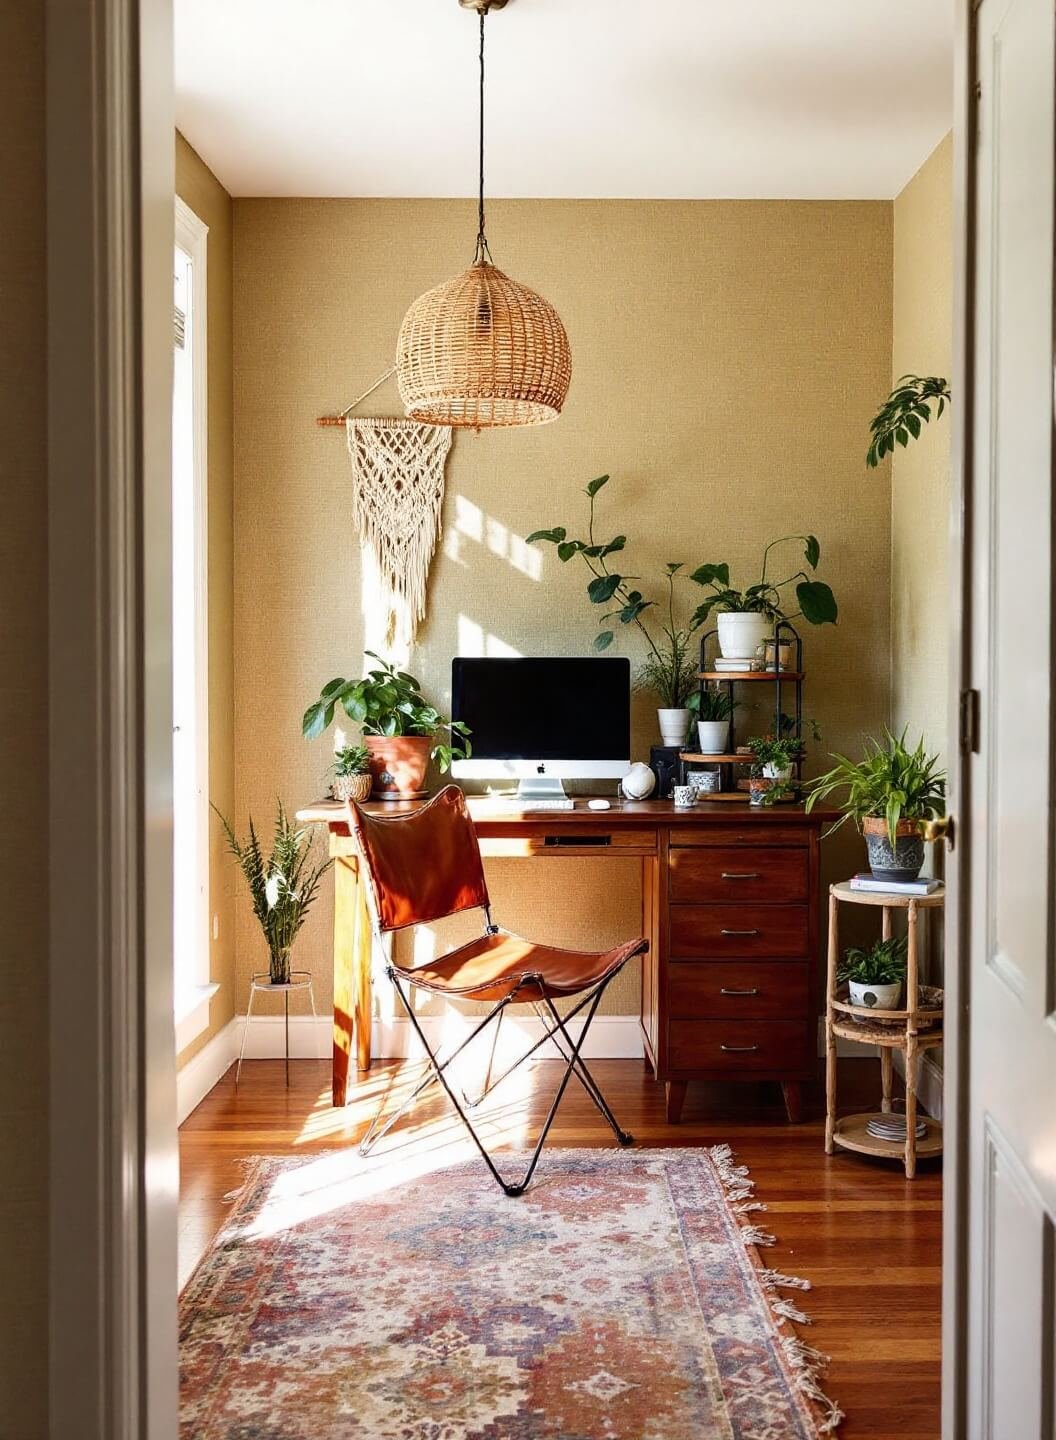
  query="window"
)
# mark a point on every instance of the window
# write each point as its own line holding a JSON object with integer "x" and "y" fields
{"x": 190, "y": 658}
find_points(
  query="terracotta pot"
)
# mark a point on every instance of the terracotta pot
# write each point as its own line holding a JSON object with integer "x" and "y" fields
{"x": 398, "y": 765}
{"x": 905, "y": 861}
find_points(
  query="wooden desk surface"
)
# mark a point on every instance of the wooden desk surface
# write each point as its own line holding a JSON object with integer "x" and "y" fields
{"x": 621, "y": 814}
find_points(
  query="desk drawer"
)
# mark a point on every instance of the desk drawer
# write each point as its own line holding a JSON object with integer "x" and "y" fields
{"x": 739, "y": 873}
{"x": 740, "y": 990}
{"x": 499, "y": 838}
{"x": 721, "y": 932}
{"x": 748, "y": 832}
{"x": 738, "y": 1046}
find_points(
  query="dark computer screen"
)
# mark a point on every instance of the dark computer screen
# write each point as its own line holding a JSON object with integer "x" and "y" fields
{"x": 574, "y": 709}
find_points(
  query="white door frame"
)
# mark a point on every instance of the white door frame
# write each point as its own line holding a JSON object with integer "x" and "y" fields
{"x": 112, "y": 1114}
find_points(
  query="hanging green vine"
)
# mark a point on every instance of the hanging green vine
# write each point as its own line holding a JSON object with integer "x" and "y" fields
{"x": 903, "y": 412}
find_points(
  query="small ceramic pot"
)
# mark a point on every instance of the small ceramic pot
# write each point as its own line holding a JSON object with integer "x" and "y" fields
{"x": 777, "y": 772}
{"x": 351, "y": 787}
{"x": 398, "y": 765}
{"x": 905, "y": 861}
{"x": 684, "y": 796}
{"x": 705, "y": 782}
{"x": 875, "y": 997}
{"x": 713, "y": 735}
{"x": 757, "y": 788}
{"x": 674, "y": 725}
{"x": 639, "y": 782}
{"x": 741, "y": 633}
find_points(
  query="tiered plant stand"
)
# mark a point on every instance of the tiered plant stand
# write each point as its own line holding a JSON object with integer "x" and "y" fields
{"x": 912, "y": 1030}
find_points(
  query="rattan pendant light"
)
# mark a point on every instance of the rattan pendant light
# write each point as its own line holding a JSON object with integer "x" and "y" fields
{"x": 482, "y": 350}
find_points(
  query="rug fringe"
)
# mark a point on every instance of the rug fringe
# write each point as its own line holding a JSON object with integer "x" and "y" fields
{"x": 806, "y": 1365}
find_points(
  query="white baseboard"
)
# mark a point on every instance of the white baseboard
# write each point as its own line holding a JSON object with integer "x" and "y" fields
{"x": 195, "y": 1079}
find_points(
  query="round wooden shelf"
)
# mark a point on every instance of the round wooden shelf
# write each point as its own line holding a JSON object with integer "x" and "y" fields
{"x": 892, "y": 900}
{"x": 770, "y": 675}
{"x": 873, "y": 1033}
{"x": 851, "y": 1133}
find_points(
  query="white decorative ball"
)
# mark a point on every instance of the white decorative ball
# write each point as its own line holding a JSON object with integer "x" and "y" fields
{"x": 639, "y": 782}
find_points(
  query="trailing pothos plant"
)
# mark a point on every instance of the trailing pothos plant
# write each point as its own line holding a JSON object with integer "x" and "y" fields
{"x": 904, "y": 411}
{"x": 388, "y": 702}
{"x": 670, "y": 668}
{"x": 817, "y": 604}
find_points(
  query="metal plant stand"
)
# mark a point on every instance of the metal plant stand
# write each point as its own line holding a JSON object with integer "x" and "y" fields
{"x": 261, "y": 984}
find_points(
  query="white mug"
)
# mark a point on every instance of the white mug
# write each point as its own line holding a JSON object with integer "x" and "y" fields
{"x": 684, "y": 796}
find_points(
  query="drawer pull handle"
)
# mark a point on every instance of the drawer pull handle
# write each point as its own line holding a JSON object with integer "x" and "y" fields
{"x": 724, "y": 991}
{"x": 739, "y": 1049}
{"x": 740, "y": 932}
{"x": 741, "y": 875}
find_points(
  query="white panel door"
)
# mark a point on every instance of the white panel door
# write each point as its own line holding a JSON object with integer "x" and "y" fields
{"x": 1011, "y": 1060}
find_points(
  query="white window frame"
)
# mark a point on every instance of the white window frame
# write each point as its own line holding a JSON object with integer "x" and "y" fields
{"x": 194, "y": 987}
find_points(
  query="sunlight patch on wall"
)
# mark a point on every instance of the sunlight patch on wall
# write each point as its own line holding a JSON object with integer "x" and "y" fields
{"x": 475, "y": 641}
{"x": 470, "y": 523}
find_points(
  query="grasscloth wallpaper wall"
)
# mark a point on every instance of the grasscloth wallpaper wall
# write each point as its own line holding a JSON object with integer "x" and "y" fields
{"x": 727, "y": 359}
{"x": 199, "y": 188}
{"x": 23, "y": 725}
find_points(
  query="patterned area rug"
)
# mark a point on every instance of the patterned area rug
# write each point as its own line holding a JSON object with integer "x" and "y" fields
{"x": 622, "y": 1298}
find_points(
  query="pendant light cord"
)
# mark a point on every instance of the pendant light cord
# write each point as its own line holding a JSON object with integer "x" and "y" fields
{"x": 482, "y": 253}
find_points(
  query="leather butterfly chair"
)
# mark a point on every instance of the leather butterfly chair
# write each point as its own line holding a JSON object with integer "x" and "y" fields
{"x": 424, "y": 865}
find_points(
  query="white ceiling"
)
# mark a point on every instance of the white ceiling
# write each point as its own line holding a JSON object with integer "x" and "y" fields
{"x": 586, "y": 98}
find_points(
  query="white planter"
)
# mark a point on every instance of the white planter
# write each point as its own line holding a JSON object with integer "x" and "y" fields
{"x": 777, "y": 772}
{"x": 875, "y": 997}
{"x": 713, "y": 735}
{"x": 674, "y": 725}
{"x": 741, "y": 633}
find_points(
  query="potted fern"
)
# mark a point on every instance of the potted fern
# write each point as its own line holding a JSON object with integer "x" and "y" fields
{"x": 890, "y": 792}
{"x": 282, "y": 885}
{"x": 351, "y": 768}
{"x": 874, "y": 977}
{"x": 772, "y": 761}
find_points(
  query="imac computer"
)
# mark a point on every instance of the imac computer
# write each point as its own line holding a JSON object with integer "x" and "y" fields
{"x": 543, "y": 721}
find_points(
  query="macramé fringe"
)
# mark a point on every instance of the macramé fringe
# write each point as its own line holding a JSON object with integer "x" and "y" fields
{"x": 805, "y": 1364}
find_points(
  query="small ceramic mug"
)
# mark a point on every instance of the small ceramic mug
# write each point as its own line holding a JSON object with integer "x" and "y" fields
{"x": 705, "y": 782}
{"x": 684, "y": 796}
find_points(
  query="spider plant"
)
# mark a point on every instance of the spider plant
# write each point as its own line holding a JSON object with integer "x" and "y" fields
{"x": 715, "y": 704}
{"x": 890, "y": 782}
{"x": 281, "y": 886}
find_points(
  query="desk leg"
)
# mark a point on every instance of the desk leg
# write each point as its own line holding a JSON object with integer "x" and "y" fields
{"x": 352, "y": 990}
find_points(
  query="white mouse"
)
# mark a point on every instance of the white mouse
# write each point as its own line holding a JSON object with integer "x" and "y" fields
{"x": 598, "y": 805}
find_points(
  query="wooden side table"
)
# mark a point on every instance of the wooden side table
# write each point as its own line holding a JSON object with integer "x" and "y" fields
{"x": 912, "y": 1030}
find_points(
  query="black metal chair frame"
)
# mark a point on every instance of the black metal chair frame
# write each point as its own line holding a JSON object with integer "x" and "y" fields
{"x": 569, "y": 1049}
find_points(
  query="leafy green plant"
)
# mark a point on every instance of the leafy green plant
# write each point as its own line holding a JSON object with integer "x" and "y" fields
{"x": 890, "y": 782}
{"x": 817, "y": 604}
{"x": 670, "y": 668}
{"x": 715, "y": 704}
{"x": 780, "y": 752}
{"x": 883, "y": 963}
{"x": 282, "y": 885}
{"x": 351, "y": 760}
{"x": 387, "y": 702}
{"x": 903, "y": 412}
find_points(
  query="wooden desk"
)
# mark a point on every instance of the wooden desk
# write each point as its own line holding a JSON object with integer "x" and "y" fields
{"x": 730, "y": 900}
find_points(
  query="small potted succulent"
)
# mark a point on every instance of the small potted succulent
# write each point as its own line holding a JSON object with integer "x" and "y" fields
{"x": 714, "y": 711}
{"x": 282, "y": 885}
{"x": 874, "y": 977}
{"x": 747, "y": 617}
{"x": 772, "y": 761}
{"x": 401, "y": 729}
{"x": 890, "y": 793}
{"x": 351, "y": 769}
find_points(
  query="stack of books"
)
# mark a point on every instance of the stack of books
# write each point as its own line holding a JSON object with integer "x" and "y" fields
{"x": 922, "y": 885}
{"x": 738, "y": 667}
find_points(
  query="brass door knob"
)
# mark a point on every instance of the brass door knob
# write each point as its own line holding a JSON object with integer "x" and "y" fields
{"x": 943, "y": 829}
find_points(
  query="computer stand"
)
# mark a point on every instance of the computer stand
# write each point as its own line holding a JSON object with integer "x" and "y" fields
{"x": 541, "y": 787}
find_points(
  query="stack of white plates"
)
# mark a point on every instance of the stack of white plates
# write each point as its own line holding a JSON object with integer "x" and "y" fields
{"x": 893, "y": 1127}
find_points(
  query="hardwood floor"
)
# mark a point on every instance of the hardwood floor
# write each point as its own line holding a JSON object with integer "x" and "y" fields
{"x": 867, "y": 1239}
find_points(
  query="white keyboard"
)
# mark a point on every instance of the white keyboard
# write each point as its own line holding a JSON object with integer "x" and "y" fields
{"x": 516, "y": 806}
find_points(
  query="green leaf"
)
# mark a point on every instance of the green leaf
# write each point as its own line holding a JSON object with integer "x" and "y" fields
{"x": 595, "y": 485}
{"x": 568, "y": 548}
{"x": 913, "y": 425}
{"x": 817, "y": 602}
{"x": 709, "y": 574}
{"x": 314, "y": 722}
{"x": 603, "y": 588}
{"x": 553, "y": 536}
{"x": 603, "y": 640}
{"x": 355, "y": 707}
{"x": 617, "y": 543}
{"x": 813, "y": 551}
{"x": 331, "y": 688}
{"x": 674, "y": 566}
